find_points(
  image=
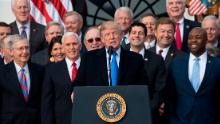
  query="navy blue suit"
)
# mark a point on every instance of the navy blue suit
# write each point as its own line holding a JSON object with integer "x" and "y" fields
{"x": 57, "y": 89}
{"x": 184, "y": 105}
{"x": 14, "y": 109}
{"x": 93, "y": 69}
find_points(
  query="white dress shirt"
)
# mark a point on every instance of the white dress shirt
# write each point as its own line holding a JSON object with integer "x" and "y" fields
{"x": 164, "y": 53}
{"x": 202, "y": 64}
{"x": 26, "y": 73}
{"x": 118, "y": 51}
{"x": 27, "y": 29}
{"x": 70, "y": 65}
{"x": 151, "y": 44}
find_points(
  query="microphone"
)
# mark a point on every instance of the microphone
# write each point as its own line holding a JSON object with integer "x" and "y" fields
{"x": 110, "y": 51}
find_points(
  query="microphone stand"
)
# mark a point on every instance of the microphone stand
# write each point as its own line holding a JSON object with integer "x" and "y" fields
{"x": 109, "y": 64}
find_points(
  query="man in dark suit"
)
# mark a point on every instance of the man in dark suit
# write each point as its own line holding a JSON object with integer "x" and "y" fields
{"x": 33, "y": 31}
{"x": 154, "y": 66}
{"x": 59, "y": 81}
{"x": 164, "y": 33}
{"x": 94, "y": 69}
{"x": 193, "y": 84}
{"x": 20, "y": 86}
{"x": 175, "y": 10}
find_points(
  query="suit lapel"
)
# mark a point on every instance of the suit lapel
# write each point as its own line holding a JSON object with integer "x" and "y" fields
{"x": 14, "y": 79}
{"x": 15, "y": 28}
{"x": 208, "y": 69}
{"x": 102, "y": 62}
{"x": 122, "y": 66}
{"x": 64, "y": 71}
{"x": 170, "y": 55}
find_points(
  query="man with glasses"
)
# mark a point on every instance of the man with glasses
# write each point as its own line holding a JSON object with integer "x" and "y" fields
{"x": 20, "y": 83}
{"x": 92, "y": 39}
{"x": 127, "y": 68}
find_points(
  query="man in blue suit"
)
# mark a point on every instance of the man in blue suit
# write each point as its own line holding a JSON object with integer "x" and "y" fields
{"x": 193, "y": 84}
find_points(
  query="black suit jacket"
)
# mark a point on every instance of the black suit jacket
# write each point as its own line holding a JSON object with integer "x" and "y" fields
{"x": 156, "y": 70}
{"x": 57, "y": 89}
{"x": 188, "y": 26}
{"x": 93, "y": 69}
{"x": 1, "y": 62}
{"x": 37, "y": 37}
{"x": 14, "y": 109}
{"x": 172, "y": 53}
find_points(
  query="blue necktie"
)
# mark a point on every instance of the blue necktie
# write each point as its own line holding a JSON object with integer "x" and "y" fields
{"x": 195, "y": 78}
{"x": 23, "y": 32}
{"x": 23, "y": 84}
{"x": 114, "y": 70}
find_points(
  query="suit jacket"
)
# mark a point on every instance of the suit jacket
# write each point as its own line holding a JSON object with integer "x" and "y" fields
{"x": 41, "y": 57}
{"x": 1, "y": 62}
{"x": 172, "y": 53}
{"x": 188, "y": 26}
{"x": 93, "y": 69}
{"x": 14, "y": 109}
{"x": 37, "y": 38}
{"x": 56, "y": 100}
{"x": 156, "y": 70}
{"x": 185, "y": 106}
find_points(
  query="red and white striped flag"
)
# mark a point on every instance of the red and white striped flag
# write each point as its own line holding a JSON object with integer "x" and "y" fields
{"x": 44, "y": 11}
{"x": 198, "y": 7}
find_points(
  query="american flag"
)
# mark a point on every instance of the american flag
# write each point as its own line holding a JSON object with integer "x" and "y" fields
{"x": 44, "y": 11}
{"x": 198, "y": 7}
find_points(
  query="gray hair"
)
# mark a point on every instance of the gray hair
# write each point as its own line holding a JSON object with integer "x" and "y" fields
{"x": 52, "y": 23}
{"x": 70, "y": 13}
{"x": 211, "y": 17}
{"x": 28, "y": 4}
{"x": 125, "y": 9}
{"x": 184, "y": 2}
{"x": 14, "y": 39}
{"x": 66, "y": 34}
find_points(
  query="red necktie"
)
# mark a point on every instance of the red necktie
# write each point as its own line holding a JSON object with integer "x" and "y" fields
{"x": 178, "y": 37}
{"x": 74, "y": 71}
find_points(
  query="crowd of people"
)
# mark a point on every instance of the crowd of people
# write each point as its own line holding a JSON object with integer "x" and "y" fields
{"x": 178, "y": 59}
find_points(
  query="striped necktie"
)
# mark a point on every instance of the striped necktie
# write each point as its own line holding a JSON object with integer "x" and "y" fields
{"x": 23, "y": 84}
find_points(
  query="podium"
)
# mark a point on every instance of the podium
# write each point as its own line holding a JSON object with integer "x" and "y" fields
{"x": 136, "y": 98}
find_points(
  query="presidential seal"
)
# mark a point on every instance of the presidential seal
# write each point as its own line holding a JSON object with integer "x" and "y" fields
{"x": 111, "y": 107}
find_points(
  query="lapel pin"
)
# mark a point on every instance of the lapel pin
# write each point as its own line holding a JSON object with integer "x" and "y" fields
{"x": 34, "y": 30}
{"x": 172, "y": 54}
{"x": 187, "y": 26}
{"x": 209, "y": 61}
{"x": 146, "y": 59}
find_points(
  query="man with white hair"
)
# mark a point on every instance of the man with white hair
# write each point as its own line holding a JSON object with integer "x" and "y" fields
{"x": 175, "y": 10}
{"x": 212, "y": 26}
{"x": 124, "y": 18}
{"x": 59, "y": 82}
{"x": 33, "y": 31}
{"x": 21, "y": 84}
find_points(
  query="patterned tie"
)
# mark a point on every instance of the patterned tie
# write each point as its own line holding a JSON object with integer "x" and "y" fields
{"x": 74, "y": 71}
{"x": 114, "y": 70}
{"x": 23, "y": 32}
{"x": 195, "y": 77}
{"x": 178, "y": 37}
{"x": 23, "y": 84}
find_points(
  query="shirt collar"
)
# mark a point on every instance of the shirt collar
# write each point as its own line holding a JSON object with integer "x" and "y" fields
{"x": 70, "y": 62}
{"x": 181, "y": 21}
{"x": 18, "y": 68}
{"x": 201, "y": 57}
{"x": 27, "y": 25}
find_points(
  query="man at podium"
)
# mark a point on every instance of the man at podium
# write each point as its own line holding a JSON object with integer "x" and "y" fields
{"x": 111, "y": 65}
